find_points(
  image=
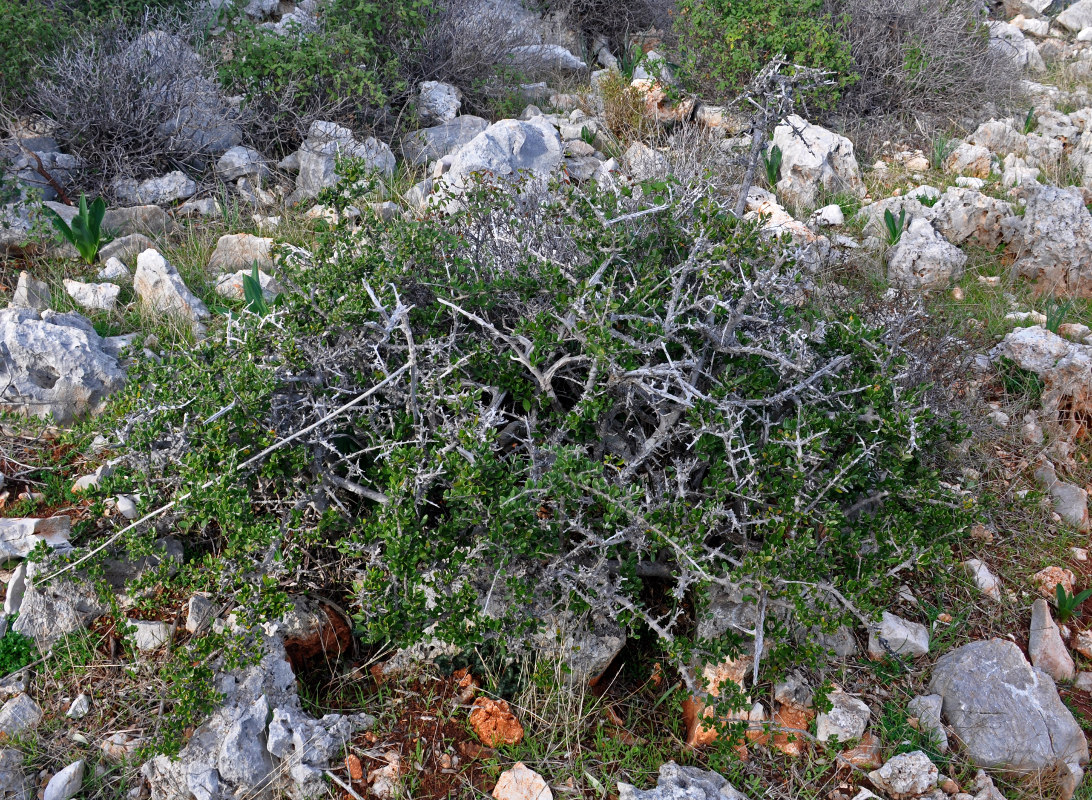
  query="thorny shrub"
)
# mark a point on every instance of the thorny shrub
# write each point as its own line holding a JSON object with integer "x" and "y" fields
{"x": 555, "y": 397}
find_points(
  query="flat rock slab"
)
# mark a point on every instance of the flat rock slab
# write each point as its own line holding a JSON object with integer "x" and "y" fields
{"x": 1005, "y": 713}
{"x": 18, "y": 536}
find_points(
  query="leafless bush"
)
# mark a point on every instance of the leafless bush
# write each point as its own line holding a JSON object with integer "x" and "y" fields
{"x": 612, "y": 20}
{"x": 923, "y": 56}
{"x": 136, "y": 101}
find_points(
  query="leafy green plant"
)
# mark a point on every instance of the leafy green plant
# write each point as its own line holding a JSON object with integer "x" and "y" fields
{"x": 893, "y": 226}
{"x": 1030, "y": 122}
{"x": 587, "y": 135}
{"x": 771, "y": 163}
{"x": 723, "y": 43}
{"x": 629, "y": 61}
{"x": 942, "y": 148}
{"x": 928, "y": 200}
{"x": 30, "y": 31}
{"x": 1068, "y": 604}
{"x": 85, "y": 232}
{"x": 16, "y": 651}
{"x": 252, "y": 293}
{"x": 1055, "y": 313}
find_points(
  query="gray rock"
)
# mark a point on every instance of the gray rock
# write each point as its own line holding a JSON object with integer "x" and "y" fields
{"x": 168, "y": 188}
{"x": 54, "y": 365}
{"x": 585, "y": 644}
{"x": 240, "y": 161}
{"x": 906, "y": 775}
{"x": 150, "y": 220}
{"x": 17, "y": 587}
{"x": 14, "y": 783}
{"x": 986, "y": 581}
{"x": 814, "y": 161}
{"x": 231, "y": 285}
{"x": 115, "y": 272}
{"x": 508, "y": 149}
{"x": 683, "y": 783}
{"x": 126, "y": 506}
{"x": 125, "y": 249}
{"x": 437, "y": 103}
{"x": 1009, "y": 41}
{"x": 1070, "y": 500}
{"x": 31, "y": 293}
{"x": 93, "y": 296}
{"x": 59, "y": 607}
{"x": 963, "y": 215}
{"x": 927, "y": 709}
{"x": 847, "y": 718}
{"x": 19, "y": 536}
{"x": 541, "y": 58}
{"x": 149, "y": 635}
{"x": 1054, "y": 244}
{"x": 644, "y": 163}
{"x": 897, "y": 635}
{"x": 160, "y": 288}
{"x": 318, "y": 155}
{"x": 243, "y": 758}
{"x": 1005, "y": 713}
{"x": 1077, "y": 17}
{"x": 1045, "y": 646}
{"x": 79, "y": 708}
{"x": 199, "y": 613}
{"x": 19, "y": 714}
{"x": 240, "y": 251}
{"x": 432, "y": 144}
{"x": 202, "y": 207}
{"x": 923, "y": 259}
{"x": 66, "y": 783}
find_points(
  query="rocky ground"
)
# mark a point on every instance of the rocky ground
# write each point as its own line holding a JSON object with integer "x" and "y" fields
{"x": 976, "y": 684}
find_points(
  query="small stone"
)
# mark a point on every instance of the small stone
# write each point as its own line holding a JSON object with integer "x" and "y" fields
{"x": 1079, "y": 554}
{"x": 1082, "y": 643}
{"x": 18, "y": 536}
{"x": 927, "y": 709}
{"x": 897, "y": 635}
{"x": 121, "y": 746}
{"x": 17, "y": 587}
{"x": 66, "y": 783}
{"x": 906, "y": 775}
{"x": 494, "y": 723}
{"x": 115, "y": 272}
{"x": 521, "y": 783}
{"x": 354, "y": 767}
{"x": 126, "y": 506}
{"x": 1045, "y": 646}
{"x": 199, "y": 611}
{"x": 94, "y": 296}
{"x": 868, "y": 754}
{"x": 985, "y": 580}
{"x": 980, "y": 533}
{"x": 79, "y": 708}
{"x": 150, "y": 636}
{"x": 30, "y": 293}
{"x": 20, "y": 713}
{"x": 794, "y": 718}
{"x": 1048, "y": 579}
{"x": 957, "y": 294}
{"x": 847, "y": 718}
{"x": 241, "y": 251}
{"x": 1083, "y": 682}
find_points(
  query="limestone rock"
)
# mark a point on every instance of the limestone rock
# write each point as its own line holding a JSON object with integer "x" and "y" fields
{"x": 14, "y": 783}
{"x": 125, "y": 249}
{"x": 535, "y": 59}
{"x": 94, "y": 296}
{"x": 16, "y": 588}
{"x": 115, "y": 272}
{"x": 155, "y": 191}
{"x": 66, "y": 783}
{"x": 240, "y": 251}
{"x": 432, "y": 144}
{"x": 986, "y": 581}
{"x": 521, "y": 783}
{"x": 55, "y": 365}
{"x": 31, "y": 293}
{"x": 239, "y": 161}
{"x": 1005, "y": 713}
{"x": 969, "y": 159}
{"x": 1045, "y": 646}
{"x": 437, "y": 103}
{"x": 149, "y": 635}
{"x": 927, "y": 709}
{"x": 325, "y": 142}
{"x": 897, "y": 635}
{"x": 59, "y": 607}
{"x": 1009, "y": 41}
{"x": 161, "y": 289}
{"x": 963, "y": 215}
{"x": 1070, "y": 500}
{"x": 507, "y": 150}
{"x": 644, "y": 163}
{"x": 19, "y": 536}
{"x": 847, "y": 718}
{"x": 905, "y": 776}
{"x": 79, "y": 708}
{"x": 814, "y": 161}
{"x": 1077, "y": 17}
{"x": 1054, "y": 244}
{"x": 683, "y": 783}
{"x": 231, "y": 285}
{"x": 923, "y": 259}
{"x": 19, "y": 714}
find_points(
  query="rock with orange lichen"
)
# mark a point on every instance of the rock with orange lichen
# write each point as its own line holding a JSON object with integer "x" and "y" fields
{"x": 866, "y": 755}
{"x": 1046, "y": 580}
{"x": 521, "y": 783}
{"x": 386, "y": 782}
{"x": 354, "y": 767}
{"x": 793, "y": 718}
{"x": 697, "y": 712}
{"x": 468, "y": 685}
{"x": 494, "y": 722}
